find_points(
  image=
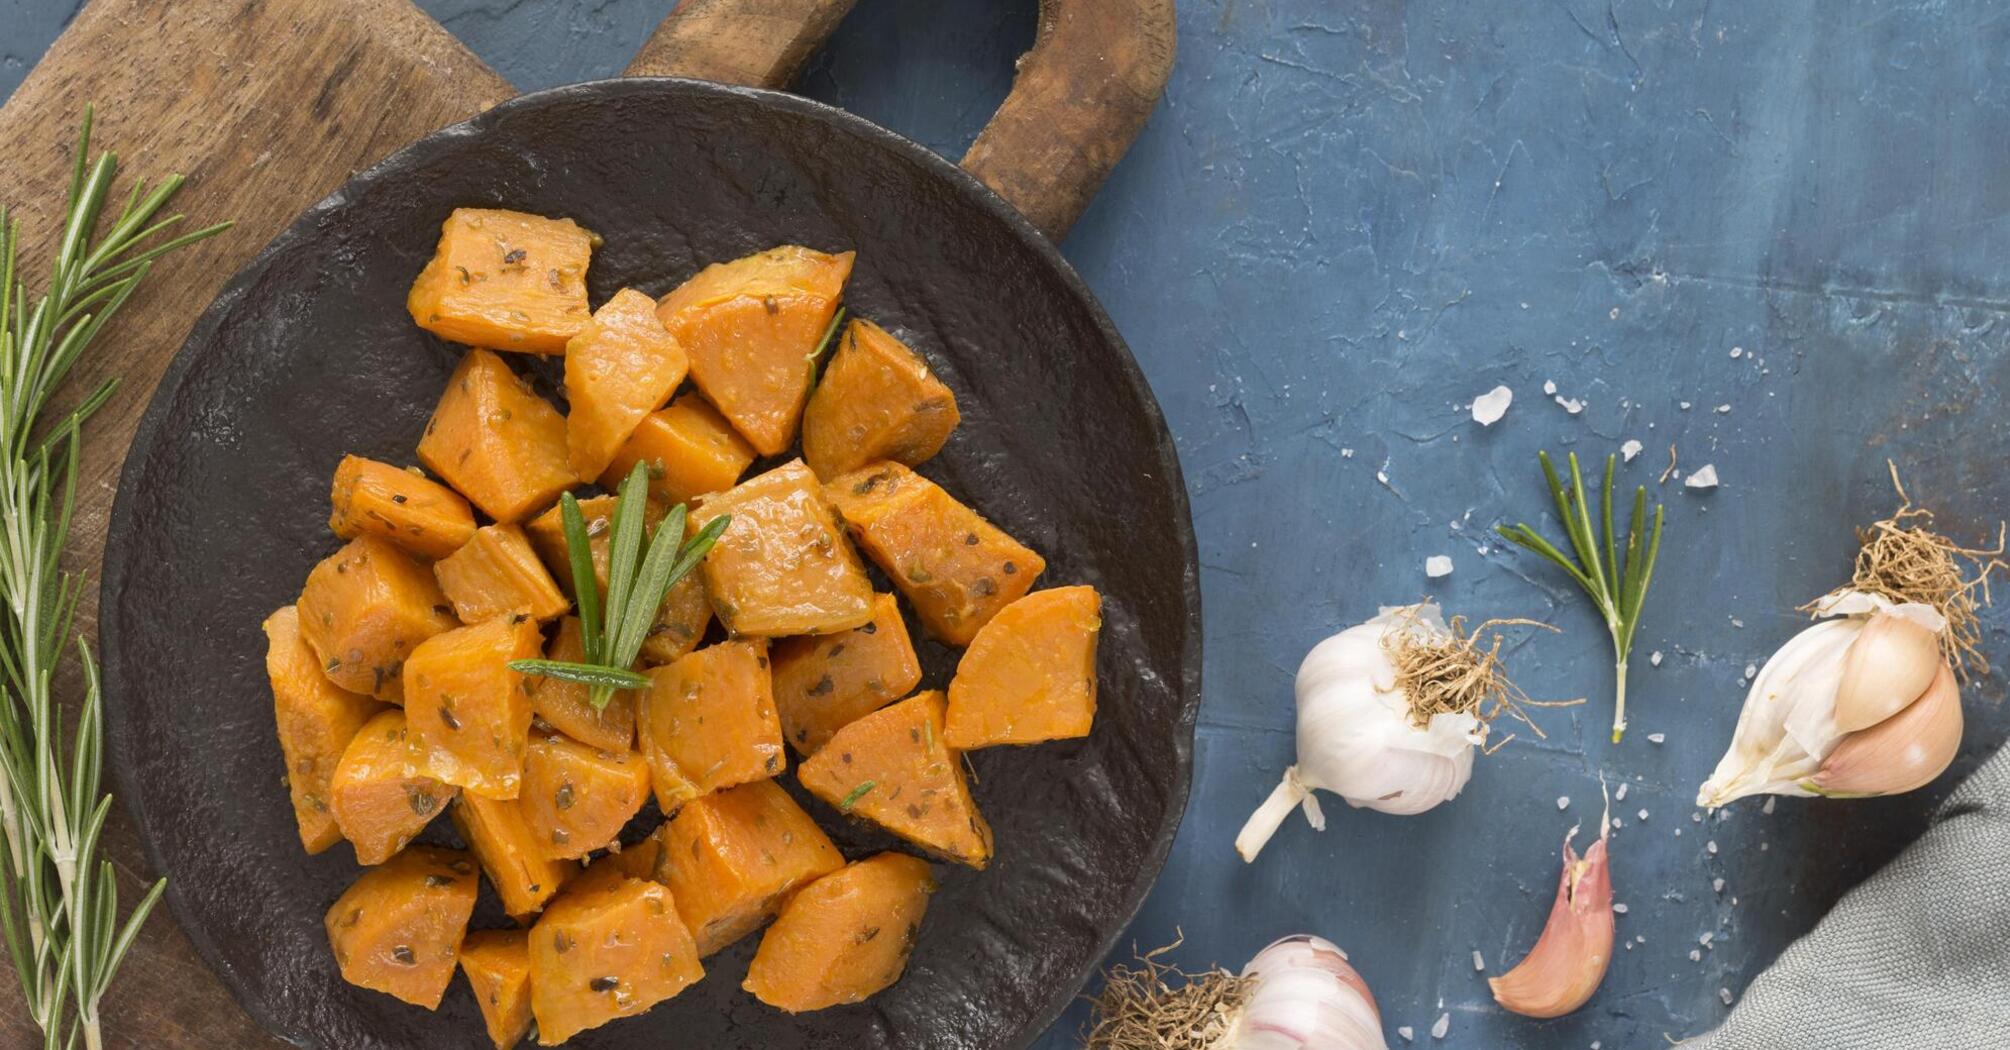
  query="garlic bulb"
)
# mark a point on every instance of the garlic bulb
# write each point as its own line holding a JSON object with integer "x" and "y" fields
{"x": 1356, "y": 735}
{"x": 1304, "y": 995}
{"x": 1856, "y": 675}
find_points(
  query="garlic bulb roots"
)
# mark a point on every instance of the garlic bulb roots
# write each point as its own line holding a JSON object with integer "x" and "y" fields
{"x": 1300, "y": 993}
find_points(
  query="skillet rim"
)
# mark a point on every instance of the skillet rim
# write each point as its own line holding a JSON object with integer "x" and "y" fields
{"x": 121, "y": 525}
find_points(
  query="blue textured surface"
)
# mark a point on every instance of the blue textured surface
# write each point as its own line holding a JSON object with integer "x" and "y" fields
{"x": 1773, "y": 236}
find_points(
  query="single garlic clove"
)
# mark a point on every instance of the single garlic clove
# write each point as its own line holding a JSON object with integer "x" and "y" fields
{"x": 1891, "y": 662}
{"x": 1570, "y": 958}
{"x": 1901, "y": 753}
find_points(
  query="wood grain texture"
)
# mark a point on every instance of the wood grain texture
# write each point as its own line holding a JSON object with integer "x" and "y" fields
{"x": 266, "y": 105}
{"x": 758, "y": 43}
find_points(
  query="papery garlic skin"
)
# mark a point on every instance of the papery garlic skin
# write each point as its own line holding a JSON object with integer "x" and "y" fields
{"x": 1304, "y": 995}
{"x": 1355, "y": 738}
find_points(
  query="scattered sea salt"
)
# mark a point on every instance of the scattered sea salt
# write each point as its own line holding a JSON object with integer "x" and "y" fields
{"x": 1703, "y": 477}
{"x": 1563, "y": 801}
{"x": 1767, "y": 809}
{"x": 1717, "y": 884}
{"x": 1724, "y": 994}
{"x": 1620, "y": 794}
{"x": 1695, "y": 955}
{"x": 1737, "y": 352}
{"x": 1619, "y": 909}
{"x": 1549, "y": 387}
{"x": 1437, "y": 566}
{"x": 1723, "y": 410}
{"x": 1489, "y": 407}
{"x": 1657, "y": 738}
{"x": 1409, "y": 1034}
{"x": 1630, "y": 449}
{"x": 1751, "y": 671}
{"x": 1655, "y": 658}
{"x": 1711, "y": 847}
{"x": 1382, "y": 476}
{"x": 1442, "y": 1025}
{"x": 1643, "y": 814}
{"x": 1479, "y": 964}
{"x": 1346, "y": 453}
{"x": 1685, "y": 406}
{"x": 1706, "y": 939}
{"x": 1570, "y": 404}
{"x": 1696, "y": 818}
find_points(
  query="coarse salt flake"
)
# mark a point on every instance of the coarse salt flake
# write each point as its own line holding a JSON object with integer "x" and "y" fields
{"x": 1549, "y": 387}
{"x": 1440, "y": 1026}
{"x": 1563, "y": 801}
{"x": 1619, "y": 795}
{"x": 1437, "y": 566}
{"x": 1479, "y": 962}
{"x": 1724, "y": 994}
{"x": 1619, "y": 909}
{"x": 1409, "y": 1034}
{"x": 1654, "y": 658}
{"x": 1657, "y": 738}
{"x": 1643, "y": 814}
{"x": 1711, "y": 847}
{"x": 1717, "y": 884}
{"x": 1630, "y": 449}
{"x": 1488, "y": 408}
{"x": 1703, "y": 477}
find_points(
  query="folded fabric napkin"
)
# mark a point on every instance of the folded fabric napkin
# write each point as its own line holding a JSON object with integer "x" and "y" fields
{"x": 1916, "y": 958}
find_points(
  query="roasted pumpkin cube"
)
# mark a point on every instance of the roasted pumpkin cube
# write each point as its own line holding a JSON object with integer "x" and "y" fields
{"x": 363, "y": 611}
{"x": 496, "y": 573}
{"x": 644, "y": 860}
{"x": 680, "y": 621}
{"x": 782, "y": 566}
{"x": 1030, "y": 674}
{"x": 506, "y": 280}
{"x": 566, "y": 705}
{"x": 398, "y": 928}
{"x": 877, "y": 400}
{"x": 691, "y": 451}
{"x": 957, "y": 568}
{"x": 316, "y": 722}
{"x": 610, "y": 950}
{"x": 686, "y": 611}
{"x": 497, "y": 963}
{"x": 378, "y": 796}
{"x": 843, "y": 938}
{"x": 496, "y": 441}
{"x": 708, "y": 722}
{"x": 893, "y": 768}
{"x": 523, "y": 873}
{"x": 823, "y": 683}
{"x": 468, "y": 708}
{"x": 731, "y": 858}
{"x": 622, "y": 366}
{"x": 752, "y": 327}
{"x": 403, "y": 506}
{"x": 578, "y": 797}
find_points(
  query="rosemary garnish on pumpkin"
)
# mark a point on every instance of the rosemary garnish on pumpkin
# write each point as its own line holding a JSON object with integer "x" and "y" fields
{"x": 612, "y": 629}
{"x": 1618, "y": 587}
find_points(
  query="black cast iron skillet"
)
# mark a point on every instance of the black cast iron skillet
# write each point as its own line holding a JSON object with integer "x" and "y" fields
{"x": 309, "y": 354}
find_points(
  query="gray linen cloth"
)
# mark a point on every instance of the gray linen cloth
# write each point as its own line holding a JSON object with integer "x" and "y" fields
{"x": 1916, "y": 957}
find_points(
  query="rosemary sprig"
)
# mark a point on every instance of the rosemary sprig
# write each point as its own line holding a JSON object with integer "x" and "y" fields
{"x": 59, "y": 901}
{"x": 612, "y": 629}
{"x": 817, "y": 355}
{"x": 1617, "y": 586}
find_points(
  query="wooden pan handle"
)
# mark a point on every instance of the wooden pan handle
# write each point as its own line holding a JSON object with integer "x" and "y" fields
{"x": 1096, "y": 70}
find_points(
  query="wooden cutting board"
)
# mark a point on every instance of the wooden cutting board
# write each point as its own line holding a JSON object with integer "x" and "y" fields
{"x": 268, "y": 105}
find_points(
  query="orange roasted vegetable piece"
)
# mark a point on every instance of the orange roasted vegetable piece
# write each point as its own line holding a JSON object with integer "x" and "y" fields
{"x": 825, "y": 682}
{"x": 691, "y": 451}
{"x": 877, "y": 400}
{"x": 1030, "y": 674}
{"x": 957, "y": 568}
{"x": 782, "y": 566}
{"x": 496, "y": 574}
{"x": 378, "y": 795}
{"x": 708, "y": 722}
{"x": 506, "y": 280}
{"x": 751, "y": 327}
{"x": 403, "y": 506}
{"x": 893, "y": 768}
{"x": 513, "y": 855}
{"x": 843, "y": 938}
{"x": 565, "y": 705}
{"x": 497, "y": 963}
{"x": 468, "y": 708}
{"x": 731, "y": 858}
{"x": 363, "y": 611}
{"x": 316, "y": 722}
{"x": 686, "y": 611}
{"x": 611, "y": 948}
{"x": 622, "y": 366}
{"x": 398, "y": 928}
{"x": 496, "y": 441}
{"x": 577, "y": 797}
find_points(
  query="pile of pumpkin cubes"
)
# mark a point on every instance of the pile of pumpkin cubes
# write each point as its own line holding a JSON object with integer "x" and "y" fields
{"x": 395, "y": 701}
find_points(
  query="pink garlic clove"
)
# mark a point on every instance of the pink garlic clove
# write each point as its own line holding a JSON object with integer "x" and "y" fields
{"x": 1903, "y": 752}
{"x": 1570, "y": 958}
{"x": 1891, "y": 662}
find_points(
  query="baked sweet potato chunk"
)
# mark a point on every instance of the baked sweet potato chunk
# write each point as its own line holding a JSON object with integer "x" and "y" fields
{"x": 496, "y": 441}
{"x": 468, "y": 708}
{"x": 497, "y": 963}
{"x": 877, "y": 400}
{"x": 523, "y": 874}
{"x": 403, "y": 506}
{"x": 363, "y": 611}
{"x": 398, "y": 928}
{"x": 612, "y": 949}
{"x": 316, "y": 722}
{"x": 691, "y": 451}
{"x": 1030, "y": 674}
{"x": 622, "y": 366}
{"x": 708, "y": 722}
{"x": 505, "y": 279}
{"x": 957, "y": 568}
{"x": 496, "y": 573}
{"x": 577, "y": 797}
{"x": 751, "y": 327}
{"x": 680, "y": 623}
{"x": 378, "y": 796}
{"x": 843, "y": 938}
{"x": 731, "y": 858}
{"x": 565, "y": 705}
{"x": 782, "y": 566}
{"x": 893, "y": 768}
{"x": 823, "y": 683}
